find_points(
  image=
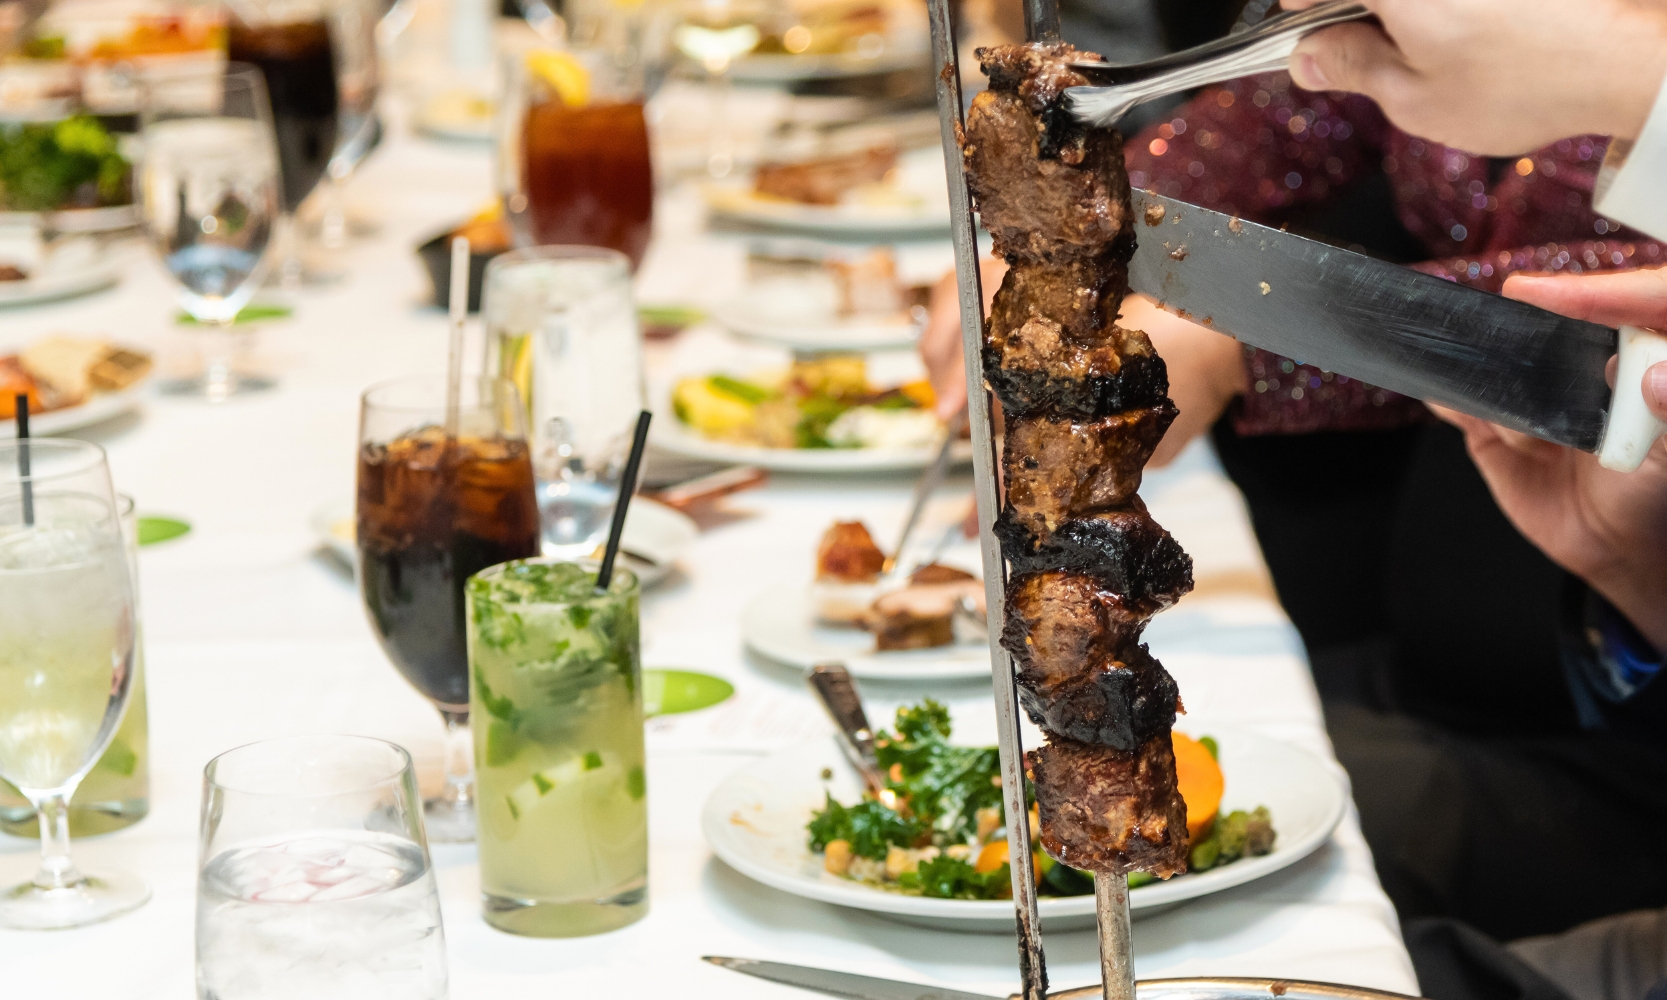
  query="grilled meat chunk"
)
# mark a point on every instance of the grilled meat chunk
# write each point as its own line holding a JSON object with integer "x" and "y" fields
{"x": 1068, "y": 206}
{"x": 1063, "y": 623}
{"x": 1119, "y": 702}
{"x": 1082, "y": 296}
{"x": 1059, "y": 468}
{"x": 1130, "y": 553}
{"x": 1035, "y": 367}
{"x": 1110, "y": 810}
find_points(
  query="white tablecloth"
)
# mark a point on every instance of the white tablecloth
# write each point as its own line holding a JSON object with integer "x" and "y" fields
{"x": 252, "y": 632}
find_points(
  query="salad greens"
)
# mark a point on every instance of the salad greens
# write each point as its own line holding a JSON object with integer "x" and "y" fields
{"x": 945, "y": 837}
{"x": 72, "y": 163}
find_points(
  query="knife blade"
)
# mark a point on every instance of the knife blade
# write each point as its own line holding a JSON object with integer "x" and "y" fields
{"x": 1383, "y": 324}
{"x": 840, "y": 984}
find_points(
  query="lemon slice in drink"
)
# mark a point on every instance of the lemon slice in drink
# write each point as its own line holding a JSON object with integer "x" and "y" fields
{"x": 564, "y": 74}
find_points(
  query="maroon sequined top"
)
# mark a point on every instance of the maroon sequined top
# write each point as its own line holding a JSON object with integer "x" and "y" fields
{"x": 1262, "y": 148}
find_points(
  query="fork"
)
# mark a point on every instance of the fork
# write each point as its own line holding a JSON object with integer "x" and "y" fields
{"x": 1261, "y": 49}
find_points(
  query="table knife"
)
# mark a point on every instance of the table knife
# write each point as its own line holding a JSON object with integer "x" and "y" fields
{"x": 1395, "y": 328}
{"x": 837, "y": 692}
{"x": 855, "y": 987}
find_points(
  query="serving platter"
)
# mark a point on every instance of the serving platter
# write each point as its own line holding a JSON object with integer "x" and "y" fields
{"x": 755, "y": 822}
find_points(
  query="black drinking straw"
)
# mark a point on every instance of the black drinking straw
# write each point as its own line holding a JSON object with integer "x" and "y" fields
{"x": 627, "y": 486}
{"x": 22, "y": 406}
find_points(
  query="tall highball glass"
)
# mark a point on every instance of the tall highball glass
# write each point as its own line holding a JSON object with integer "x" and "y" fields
{"x": 208, "y": 187}
{"x": 431, "y": 512}
{"x": 66, "y": 662}
{"x": 561, "y": 324}
{"x": 314, "y": 877}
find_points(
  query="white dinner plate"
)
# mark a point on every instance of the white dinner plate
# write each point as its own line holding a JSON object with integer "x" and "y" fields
{"x": 671, "y": 434}
{"x": 655, "y": 536}
{"x": 99, "y": 407}
{"x": 802, "y": 314}
{"x": 780, "y": 623}
{"x": 50, "y": 286}
{"x": 755, "y": 821}
{"x": 919, "y": 182}
{"x": 778, "y": 68}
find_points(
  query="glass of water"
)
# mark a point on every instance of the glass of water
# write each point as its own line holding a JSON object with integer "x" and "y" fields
{"x": 209, "y": 190}
{"x": 315, "y": 879}
{"x": 66, "y": 662}
{"x": 561, "y": 324}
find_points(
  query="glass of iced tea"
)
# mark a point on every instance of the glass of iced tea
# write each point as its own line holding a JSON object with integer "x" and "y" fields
{"x": 434, "y": 509}
{"x": 573, "y": 161}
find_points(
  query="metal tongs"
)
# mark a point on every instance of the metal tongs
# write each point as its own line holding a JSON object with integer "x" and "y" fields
{"x": 1263, "y": 48}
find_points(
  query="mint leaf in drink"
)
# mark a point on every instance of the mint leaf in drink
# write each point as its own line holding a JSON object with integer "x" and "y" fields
{"x": 502, "y": 744}
{"x": 592, "y": 761}
{"x": 499, "y": 707}
{"x": 119, "y": 759}
{"x": 636, "y": 785}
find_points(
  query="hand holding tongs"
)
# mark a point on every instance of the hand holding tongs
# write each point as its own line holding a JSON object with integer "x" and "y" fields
{"x": 1262, "y": 49}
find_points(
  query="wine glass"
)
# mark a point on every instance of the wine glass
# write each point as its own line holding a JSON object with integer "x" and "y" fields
{"x": 66, "y": 662}
{"x": 433, "y": 509}
{"x": 358, "y": 127}
{"x": 714, "y": 33}
{"x": 208, "y": 184}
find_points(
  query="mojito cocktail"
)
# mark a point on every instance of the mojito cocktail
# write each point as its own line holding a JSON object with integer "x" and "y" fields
{"x": 556, "y": 694}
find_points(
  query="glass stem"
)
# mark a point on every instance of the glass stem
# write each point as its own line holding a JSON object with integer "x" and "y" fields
{"x": 57, "y": 871}
{"x": 460, "y": 782}
{"x": 219, "y": 377}
{"x": 720, "y": 142}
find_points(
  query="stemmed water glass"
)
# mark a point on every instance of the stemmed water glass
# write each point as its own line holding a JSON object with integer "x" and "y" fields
{"x": 714, "y": 33}
{"x": 433, "y": 509}
{"x": 208, "y": 183}
{"x": 66, "y": 662}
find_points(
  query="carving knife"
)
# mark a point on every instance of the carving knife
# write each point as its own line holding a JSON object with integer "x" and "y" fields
{"x": 1505, "y": 361}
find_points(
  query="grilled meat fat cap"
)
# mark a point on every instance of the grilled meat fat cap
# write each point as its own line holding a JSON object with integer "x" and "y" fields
{"x": 1127, "y": 550}
{"x": 1119, "y": 703}
{"x": 1058, "y": 468}
{"x": 1109, "y": 810}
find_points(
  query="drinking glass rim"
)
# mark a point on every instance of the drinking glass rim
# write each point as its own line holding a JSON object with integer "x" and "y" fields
{"x": 556, "y": 252}
{"x": 594, "y": 564}
{"x": 93, "y": 456}
{"x": 404, "y": 766}
{"x": 440, "y": 402}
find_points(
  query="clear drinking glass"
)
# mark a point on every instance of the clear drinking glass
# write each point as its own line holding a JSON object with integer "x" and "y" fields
{"x": 557, "y": 670}
{"x": 714, "y": 33}
{"x": 432, "y": 511}
{"x": 314, "y": 878}
{"x": 208, "y": 187}
{"x": 116, "y": 792}
{"x": 66, "y": 662}
{"x": 573, "y": 159}
{"x": 561, "y": 324}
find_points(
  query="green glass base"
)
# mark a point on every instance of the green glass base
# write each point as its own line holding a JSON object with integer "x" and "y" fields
{"x": 532, "y": 918}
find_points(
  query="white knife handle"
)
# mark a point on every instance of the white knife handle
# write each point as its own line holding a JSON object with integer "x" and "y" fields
{"x": 1632, "y": 429}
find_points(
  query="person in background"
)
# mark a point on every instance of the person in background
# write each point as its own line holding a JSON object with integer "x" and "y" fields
{"x": 1414, "y": 592}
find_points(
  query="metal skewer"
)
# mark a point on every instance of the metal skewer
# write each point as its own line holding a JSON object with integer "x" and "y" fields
{"x": 1111, "y": 892}
{"x": 1033, "y": 972}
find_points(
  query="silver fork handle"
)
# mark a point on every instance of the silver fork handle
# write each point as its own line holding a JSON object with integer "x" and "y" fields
{"x": 1269, "y": 50}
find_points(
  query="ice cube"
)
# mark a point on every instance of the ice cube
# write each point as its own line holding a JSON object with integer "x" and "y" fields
{"x": 351, "y": 888}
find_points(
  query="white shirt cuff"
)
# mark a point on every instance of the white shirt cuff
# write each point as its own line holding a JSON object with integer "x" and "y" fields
{"x": 1632, "y": 184}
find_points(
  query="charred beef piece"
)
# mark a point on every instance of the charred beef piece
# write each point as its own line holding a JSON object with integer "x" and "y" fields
{"x": 1110, "y": 810}
{"x": 1068, "y": 206}
{"x": 1128, "y": 551}
{"x": 1036, "y": 367}
{"x": 1120, "y": 702}
{"x": 1059, "y": 468}
{"x": 1064, "y": 623}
